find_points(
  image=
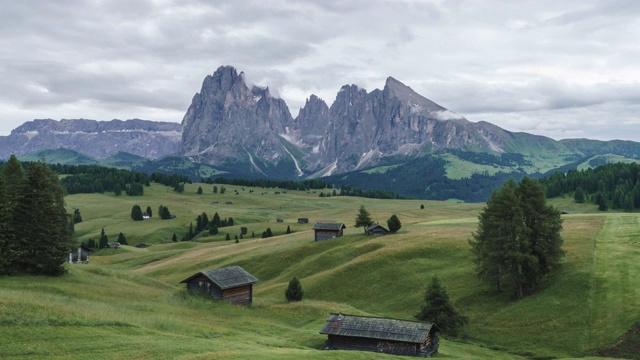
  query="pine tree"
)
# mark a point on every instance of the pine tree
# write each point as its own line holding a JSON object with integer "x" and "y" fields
{"x": 288, "y": 229}
{"x": 199, "y": 190}
{"x": 294, "y": 290}
{"x": 122, "y": 239}
{"x": 174, "y": 238}
{"x": 77, "y": 218}
{"x": 42, "y": 236}
{"x": 213, "y": 230}
{"x": 215, "y": 189}
{"x": 136, "y": 213}
{"x": 518, "y": 238}
{"x": 439, "y": 310}
{"x": 363, "y": 219}
{"x": 216, "y": 220}
{"x": 421, "y": 206}
{"x": 149, "y": 211}
{"x": 103, "y": 243}
{"x": 394, "y": 224}
{"x": 269, "y": 233}
{"x": 227, "y": 237}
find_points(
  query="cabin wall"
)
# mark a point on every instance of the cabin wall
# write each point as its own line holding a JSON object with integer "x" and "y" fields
{"x": 242, "y": 295}
{"x": 327, "y": 234}
{"x": 337, "y": 342}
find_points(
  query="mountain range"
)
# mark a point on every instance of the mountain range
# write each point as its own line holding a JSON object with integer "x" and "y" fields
{"x": 243, "y": 130}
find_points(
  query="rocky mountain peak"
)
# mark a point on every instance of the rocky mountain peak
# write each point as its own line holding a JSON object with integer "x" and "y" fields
{"x": 408, "y": 96}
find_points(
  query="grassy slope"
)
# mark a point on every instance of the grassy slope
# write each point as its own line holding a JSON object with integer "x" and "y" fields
{"x": 128, "y": 304}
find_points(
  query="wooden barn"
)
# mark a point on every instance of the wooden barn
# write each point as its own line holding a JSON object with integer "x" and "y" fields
{"x": 81, "y": 256}
{"x": 232, "y": 284}
{"x": 303, "y": 220}
{"x": 390, "y": 336}
{"x": 376, "y": 229}
{"x": 326, "y": 231}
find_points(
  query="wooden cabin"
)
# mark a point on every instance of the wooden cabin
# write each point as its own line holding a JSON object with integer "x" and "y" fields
{"x": 390, "y": 336}
{"x": 303, "y": 220}
{"x": 81, "y": 256}
{"x": 326, "y": 231}
{"x": 376, "y": 229}
{"x": 232, "y": 284}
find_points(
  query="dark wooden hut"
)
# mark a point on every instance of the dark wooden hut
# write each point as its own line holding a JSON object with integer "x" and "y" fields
{"x": 233, "y": 284}
{"x": 81, "y": 256}
{"x": 391, "y": 336}
{"x": 326, "y": 231}
{"x": 303, "y": 220}
{"x": 376, "y": 229}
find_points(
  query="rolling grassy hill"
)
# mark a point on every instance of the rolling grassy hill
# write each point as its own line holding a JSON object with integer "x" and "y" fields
{"x": 127, "y": 303}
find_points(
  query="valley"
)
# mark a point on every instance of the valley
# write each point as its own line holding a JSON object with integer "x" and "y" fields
{"x": 127, "y": 302}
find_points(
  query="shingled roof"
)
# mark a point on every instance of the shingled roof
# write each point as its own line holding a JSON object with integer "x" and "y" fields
{"x": 377, "y": 328}
{"x": 329, "y": 226}
{"x": 227, "y": 277}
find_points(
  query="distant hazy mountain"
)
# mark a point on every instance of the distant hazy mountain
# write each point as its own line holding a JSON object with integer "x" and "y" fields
{"x": 98, "y": 139}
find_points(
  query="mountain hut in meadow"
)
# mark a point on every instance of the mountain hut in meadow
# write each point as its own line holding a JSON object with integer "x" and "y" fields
{"x": 233, "y": 284}
{"x": 386, "y": 335}
{"x": 81, "y": 256}
{"x": 376, "y": 229}
{"x": 326, "y": 231}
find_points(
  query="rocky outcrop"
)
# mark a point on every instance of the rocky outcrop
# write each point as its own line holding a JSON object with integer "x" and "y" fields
{"x": 98, "y": 139}
{"x": 228, "y": 123}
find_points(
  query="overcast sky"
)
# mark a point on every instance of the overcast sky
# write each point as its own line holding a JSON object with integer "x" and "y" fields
{"x": 563, "y": 69}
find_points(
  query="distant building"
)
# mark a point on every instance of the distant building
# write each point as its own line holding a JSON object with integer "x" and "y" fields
{"x": 279, "y": 220}
{"x": 145, "y": 215}
{"x": 142, "y": 245}
{"x": 326, "y": 231}
{"x": 303, "y": 220}
{"x": 233, "y": 284}
{"x": 81, "y": 256}
{"x": 114, "y": 245}
{"x": 390, "y": 336}
{"x": 376, "y": 229}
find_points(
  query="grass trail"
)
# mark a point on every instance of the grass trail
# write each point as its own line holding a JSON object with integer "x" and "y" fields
{"x": 615, "y": 295}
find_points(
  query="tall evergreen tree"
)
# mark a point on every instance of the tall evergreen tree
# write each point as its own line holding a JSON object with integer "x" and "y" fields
{"x": 149, "y": 211}
{"x": 41, "y": 230}
{"x": 199, "y": 190}
{"x": 216, "y": 220}
{"x": 518, "y": 237}
{"x": 294, "y": 290}
{"x": 103, "y": 243}
{"x": 122, "y": 239}
{"x": 174, "y": 238}
{"x": 363, "y": 219}
{"x": 77, "y": 218}
{"x": 439, "y": 310}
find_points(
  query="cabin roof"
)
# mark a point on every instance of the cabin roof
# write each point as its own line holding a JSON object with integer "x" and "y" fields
{"x": 329, "y": 226}
{"x": 374, "y": 226}
{"x": 377, "y": 328}
{"x": 227, "y": 277}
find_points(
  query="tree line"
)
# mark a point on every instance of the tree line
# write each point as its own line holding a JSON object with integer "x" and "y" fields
{"x": 611, "y": 185}
{"x": 304, "y": 185}
{"x": 88, "y": 179}
{"x": 35, "y": 230}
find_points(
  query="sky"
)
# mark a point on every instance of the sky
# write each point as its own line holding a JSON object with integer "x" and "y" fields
{"x": 562, "y": 69}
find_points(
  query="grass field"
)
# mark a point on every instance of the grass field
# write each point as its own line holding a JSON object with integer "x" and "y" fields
{"x": 127, "y": 303}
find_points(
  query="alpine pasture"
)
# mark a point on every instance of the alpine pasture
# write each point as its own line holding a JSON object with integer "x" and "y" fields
{"x": 127, "y": 303}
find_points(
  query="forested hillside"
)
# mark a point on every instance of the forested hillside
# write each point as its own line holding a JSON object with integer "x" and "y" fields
{"x": 614, "y": 186}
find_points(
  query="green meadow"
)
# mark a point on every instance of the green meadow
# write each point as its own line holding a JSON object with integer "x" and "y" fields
{"x": 127, "y": 303}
